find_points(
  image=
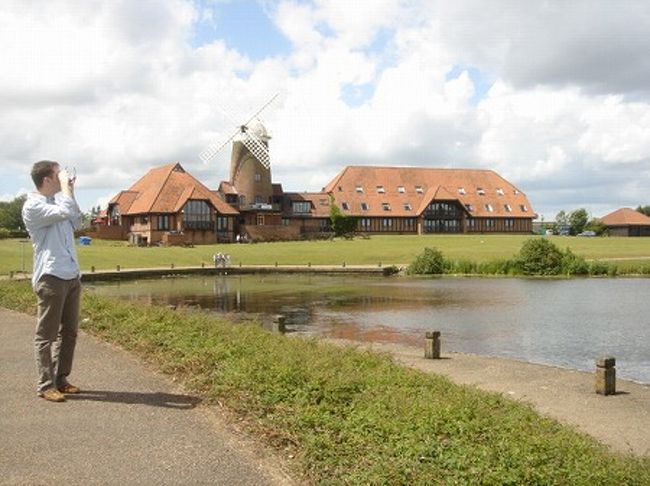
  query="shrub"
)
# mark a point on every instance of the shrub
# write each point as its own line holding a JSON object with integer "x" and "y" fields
{"x": 539, "y": 256}
{"x": 599, "y": 268}
{"x": 573, "y": 264}
{"x": 4, "y": 233}
{"x": 430, "y": 262}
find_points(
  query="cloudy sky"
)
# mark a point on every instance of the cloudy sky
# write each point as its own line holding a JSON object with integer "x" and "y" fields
{"x": 553, "y": 95}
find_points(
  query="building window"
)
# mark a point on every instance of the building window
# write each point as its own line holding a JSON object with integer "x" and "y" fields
{"x": 380, "y": 189}
{"x": 258, "y": 177}
{"x": 461, "y": 190}
{"x": 340, "y": 189}
{"x": 364, "y": 206}
{"x": 407, "y": 206}
{"x": 409, "y": 222}
{"x": 469, "y": 207}
{"x": 507, "y": 207}
{"x": 222, "y": 223}
{"x": 359, "y": 188}
{"x": 325, "y": 224}
{"x": 387, "y": 222}
{"x": 196, "y": 215}
{"x": 499, "y": 191}
{"x": 489, "y": 223}
{"x": 480, "y": 191}
{"x": 144, "y": 220}
{"x": 364, "y": 223}
{"x": 258, "y": 200}
{"x": 163, "y": 221}
{"x": 523, "y": 207}
{"x": 385, "y": 206}
{"x": 260, "y": 220}
{"x": 285, "y": 221}
{"x": 301, "y": 207}
{"x": 324, "y": 202}
{"x": 488, "y": 208}
{"x": 345, "y": 206}
{"x": 510, "y": 223}
{"x": 419, "y": 189}
{"x": 401, "y": 189}
{"x": 471, "y": 223}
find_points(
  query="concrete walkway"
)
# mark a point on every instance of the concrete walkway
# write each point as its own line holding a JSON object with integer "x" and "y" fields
{"x": 129, "y": 426}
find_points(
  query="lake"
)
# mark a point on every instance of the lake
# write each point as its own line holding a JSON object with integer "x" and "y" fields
{"x": 567, "y": 323}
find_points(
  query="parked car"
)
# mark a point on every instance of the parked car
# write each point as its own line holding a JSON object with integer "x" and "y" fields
{"x": 587, "y": 233}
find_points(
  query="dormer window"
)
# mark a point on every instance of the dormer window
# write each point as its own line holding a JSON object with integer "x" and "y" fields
{"x": 340, "y": 189}
{"x": 461, "y": 190}
{"x": 380, "y": 190}
{"x": 523, "y": 207}
{"x": 469, "y": 207}
{"x": 385, "y": 206}
{"x": 359, "y": 188}
{"x": 401, "y": 189}
{"x": 364, "y": 206}
{"x": 516, "y": 192}
{"x": 345, "y": 206}
{"x": 480, "y": 191}
{"x": 419, "y": 189}
{"x": 507, "y": 207}
{"x": 407, "y": 206}
{"x": 488, "y": 208}
{"x": 499, "y": 191}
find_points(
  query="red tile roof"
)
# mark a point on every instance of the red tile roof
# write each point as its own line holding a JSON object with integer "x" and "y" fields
{"x": 166, "y": 189}
{"x": 416, "y": 187}
{"x": 626, "y": 217}
{"x": 320, "y": 202}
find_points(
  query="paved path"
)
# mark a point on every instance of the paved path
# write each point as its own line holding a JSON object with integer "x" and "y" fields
{"x": 129, "y": 426}
{"x": 622, "y": 421}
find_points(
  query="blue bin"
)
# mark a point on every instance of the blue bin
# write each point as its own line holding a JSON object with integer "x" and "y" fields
{"x": 85, "y": 240}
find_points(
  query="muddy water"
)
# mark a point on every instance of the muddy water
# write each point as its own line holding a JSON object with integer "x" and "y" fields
{"x": 560, "y": 322}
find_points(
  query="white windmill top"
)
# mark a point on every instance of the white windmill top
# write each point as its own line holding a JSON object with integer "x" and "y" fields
{"x": 252, "y": 134}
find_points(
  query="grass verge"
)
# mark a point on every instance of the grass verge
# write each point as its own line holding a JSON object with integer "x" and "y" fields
{"x": 349, "y": 416}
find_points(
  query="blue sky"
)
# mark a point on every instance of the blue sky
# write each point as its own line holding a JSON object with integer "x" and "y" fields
{"x": 553, "y": 96}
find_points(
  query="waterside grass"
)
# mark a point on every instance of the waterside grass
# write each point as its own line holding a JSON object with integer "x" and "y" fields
{"x": 345, "y": 416}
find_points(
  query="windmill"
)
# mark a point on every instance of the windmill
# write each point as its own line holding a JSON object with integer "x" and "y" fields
{"x": 250, "y": 162}
{"x": 251, "y": 133}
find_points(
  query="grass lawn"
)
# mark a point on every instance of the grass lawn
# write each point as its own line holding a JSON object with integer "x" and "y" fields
{"x": 378, "y": 249}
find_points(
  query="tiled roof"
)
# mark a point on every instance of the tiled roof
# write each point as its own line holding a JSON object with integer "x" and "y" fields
{"x": 166, "y": 189}
{"x": 486, "y": 192}
{"x": 626, "y": 217}
{"x": 226, "y": 187}
{"x": 123, "y": 199}
{"x": 319, "y": 200}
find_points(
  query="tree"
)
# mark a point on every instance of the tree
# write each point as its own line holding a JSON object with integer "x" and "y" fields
{"x": 342, "y": 225}
{"x": 538, "y": 256}
{"x": 644, "y": 210}
{"x": 11, "y": 214}
{"x": 578, "y": 220}
{"x": 597, "y": 226}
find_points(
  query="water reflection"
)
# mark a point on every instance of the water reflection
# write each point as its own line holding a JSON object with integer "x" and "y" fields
{"x": 561, "y": 322}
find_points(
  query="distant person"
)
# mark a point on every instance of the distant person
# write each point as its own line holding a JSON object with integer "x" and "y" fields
{"x": 51, "y": 214}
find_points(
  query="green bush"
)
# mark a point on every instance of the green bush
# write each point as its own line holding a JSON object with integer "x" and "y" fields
{"x": 4, "y": 233}
{"x": 430, "y": 262}
{"x": 573, "y": 264}
{"x": 539, "y": 256}
{"x": 598, "y": 268}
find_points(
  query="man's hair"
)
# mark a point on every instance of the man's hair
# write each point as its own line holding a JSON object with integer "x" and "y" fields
{"x": 41, "y": 170}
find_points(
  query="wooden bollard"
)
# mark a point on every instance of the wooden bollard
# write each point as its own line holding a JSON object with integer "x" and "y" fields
{"x": 432, "y": 345}
{"x": 276, "y": 264}
{"x": 118, "y": 268}
{"x": 278, "y": 323}
{"x": 11, "y": 274}
{"x": 606, "y": 375}
{"x": 343, "y": 264}
{"x": 202, "y": 264}
{"x": 92, "y": 269}
{"x": 309, "y": 264}
{"x": 172, "y": 266}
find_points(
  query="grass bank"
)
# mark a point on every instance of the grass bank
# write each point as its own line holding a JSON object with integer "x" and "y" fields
{"x": 626, "y": 253}
{"x": 348, "y": 416}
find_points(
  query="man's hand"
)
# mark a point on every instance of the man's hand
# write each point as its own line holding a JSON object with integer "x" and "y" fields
{"x": 67, "y": 182}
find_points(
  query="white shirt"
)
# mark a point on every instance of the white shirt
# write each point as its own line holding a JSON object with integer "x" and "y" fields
{"x": 51, "y": 223}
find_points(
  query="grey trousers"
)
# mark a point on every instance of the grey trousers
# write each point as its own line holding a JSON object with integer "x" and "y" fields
{"x": 56, "y": 329}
